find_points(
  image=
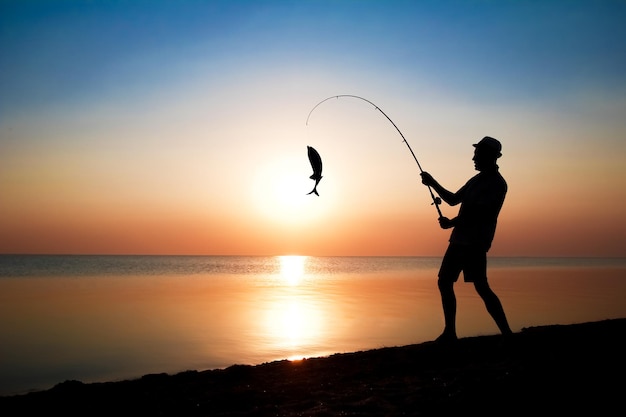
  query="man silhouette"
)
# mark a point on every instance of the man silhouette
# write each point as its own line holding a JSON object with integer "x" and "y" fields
{"x": 474, "y": 227}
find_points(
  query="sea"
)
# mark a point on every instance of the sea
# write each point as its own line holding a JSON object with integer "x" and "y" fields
{"x": 107, "y": 318}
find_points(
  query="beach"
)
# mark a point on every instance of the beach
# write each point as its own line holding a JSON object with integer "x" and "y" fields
{"x": 543, "y": 370}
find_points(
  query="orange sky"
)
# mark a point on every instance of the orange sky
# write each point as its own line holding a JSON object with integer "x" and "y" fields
{"x": 194, "y": 141}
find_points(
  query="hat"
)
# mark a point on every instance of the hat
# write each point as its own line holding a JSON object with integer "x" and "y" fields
{"x": 491, "y": 144}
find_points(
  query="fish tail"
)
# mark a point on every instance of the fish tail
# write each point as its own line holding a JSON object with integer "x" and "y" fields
{"x": 314, "y": 190}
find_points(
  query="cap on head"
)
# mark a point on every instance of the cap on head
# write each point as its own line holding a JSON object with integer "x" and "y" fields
{"x": 490, "y": 144}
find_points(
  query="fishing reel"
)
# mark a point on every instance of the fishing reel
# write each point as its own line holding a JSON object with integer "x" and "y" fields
{"x": 436, "y": 201}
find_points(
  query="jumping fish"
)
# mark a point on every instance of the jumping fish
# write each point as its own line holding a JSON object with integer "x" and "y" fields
{"x": 316, "y": 164}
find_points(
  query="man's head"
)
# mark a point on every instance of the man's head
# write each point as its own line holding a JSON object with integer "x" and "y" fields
{"x": 490, "y": 145}
{"x": 487, "y": 151}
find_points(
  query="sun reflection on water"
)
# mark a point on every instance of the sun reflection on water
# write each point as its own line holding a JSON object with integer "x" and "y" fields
{"x": 292, "y": 322}
{"x": 294, "y": 317}
{"x": 292, "y": 268}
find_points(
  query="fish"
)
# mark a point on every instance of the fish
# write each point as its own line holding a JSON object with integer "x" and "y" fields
{"x": 316, "y": 164}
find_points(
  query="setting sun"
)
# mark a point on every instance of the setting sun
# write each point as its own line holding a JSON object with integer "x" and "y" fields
{"x": 280, "y": 189}
{"x": 287, "y": 196}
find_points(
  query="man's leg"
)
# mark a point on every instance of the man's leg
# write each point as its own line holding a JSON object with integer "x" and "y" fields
{"x": 451, "y": 267}
{"x": 494, "y": 306}
{"x": 448, "y": 301}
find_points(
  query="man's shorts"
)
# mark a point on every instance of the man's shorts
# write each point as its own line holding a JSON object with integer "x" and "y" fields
{"x": 469, "y": 259}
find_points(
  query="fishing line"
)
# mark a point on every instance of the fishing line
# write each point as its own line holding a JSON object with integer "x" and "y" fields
{"x": 436, "y": 200}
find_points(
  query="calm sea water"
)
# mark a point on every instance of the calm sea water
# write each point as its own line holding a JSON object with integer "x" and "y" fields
{"x": 103, "y": 318}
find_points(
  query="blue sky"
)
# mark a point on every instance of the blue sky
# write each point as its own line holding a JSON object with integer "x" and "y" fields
{"x": 63, "y": 50}
{"x": 207, "y": 95}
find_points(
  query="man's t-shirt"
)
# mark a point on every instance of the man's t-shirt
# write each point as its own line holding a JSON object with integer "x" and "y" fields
{"x": 481, "y": 200}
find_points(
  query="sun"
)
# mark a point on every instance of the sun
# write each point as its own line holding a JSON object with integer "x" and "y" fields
{"x": 289, "y": 192}
{"x": 281, "y": 192}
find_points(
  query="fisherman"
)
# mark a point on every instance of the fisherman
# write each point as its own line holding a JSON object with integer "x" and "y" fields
{"x": 481, "y": 199}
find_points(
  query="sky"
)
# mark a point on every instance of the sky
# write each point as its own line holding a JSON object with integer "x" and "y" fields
{"x": 180, "y": 127}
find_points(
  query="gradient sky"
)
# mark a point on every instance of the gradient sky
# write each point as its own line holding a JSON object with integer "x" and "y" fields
{"x": 178, "y": 127}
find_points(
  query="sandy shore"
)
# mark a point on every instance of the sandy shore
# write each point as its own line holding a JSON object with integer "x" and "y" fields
{"x": 547, "y": 370}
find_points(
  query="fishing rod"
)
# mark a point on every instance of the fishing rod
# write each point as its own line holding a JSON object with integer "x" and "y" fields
{"x": 436, "y": 200}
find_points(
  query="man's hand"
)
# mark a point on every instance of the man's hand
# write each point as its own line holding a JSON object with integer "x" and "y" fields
{"x": 427, "y": 179}
{"x": 445, "y": 223}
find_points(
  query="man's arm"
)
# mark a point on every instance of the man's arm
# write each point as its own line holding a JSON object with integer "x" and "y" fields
{"x": 449, "y": 197}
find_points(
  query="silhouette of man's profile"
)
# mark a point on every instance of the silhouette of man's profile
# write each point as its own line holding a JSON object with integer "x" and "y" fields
{"x": 473, "y": 229}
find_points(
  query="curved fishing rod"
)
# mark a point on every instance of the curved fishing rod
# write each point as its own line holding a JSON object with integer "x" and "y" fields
{"x": 436, "y": 200}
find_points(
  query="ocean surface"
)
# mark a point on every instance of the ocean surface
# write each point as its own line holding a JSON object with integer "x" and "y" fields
{"x": 107, "y": 318}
